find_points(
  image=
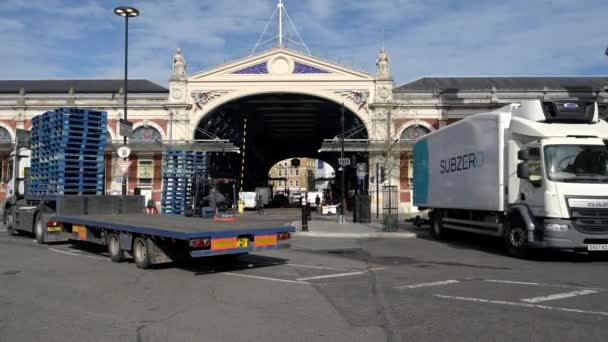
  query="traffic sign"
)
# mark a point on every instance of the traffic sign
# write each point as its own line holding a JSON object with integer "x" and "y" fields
{"x": 344, "y": 161}
{"x": 123, "y": 152}
{"x": 123, "y": 165}
{"x": 125, "y": 128}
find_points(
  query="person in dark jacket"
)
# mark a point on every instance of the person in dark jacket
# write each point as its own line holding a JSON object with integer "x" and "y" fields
{"x": 151, "y": 207}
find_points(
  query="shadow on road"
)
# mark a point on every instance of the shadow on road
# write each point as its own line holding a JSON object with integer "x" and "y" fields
{"x": 493, "y": 245}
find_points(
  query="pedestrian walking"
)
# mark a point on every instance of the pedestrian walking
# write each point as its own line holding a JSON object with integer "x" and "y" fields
{"x": 259, "y": 206}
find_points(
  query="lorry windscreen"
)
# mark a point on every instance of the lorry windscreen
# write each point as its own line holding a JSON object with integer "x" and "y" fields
{"x": 577, "y": 163}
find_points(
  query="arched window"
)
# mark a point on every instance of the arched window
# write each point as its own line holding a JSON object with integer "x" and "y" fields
{"x": 5, "y": 135}
{"x": 146, "y": 134}
{"x": 413, "y": 133}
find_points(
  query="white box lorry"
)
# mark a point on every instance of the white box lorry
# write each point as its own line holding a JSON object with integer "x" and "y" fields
{"x": 534, "y": 174}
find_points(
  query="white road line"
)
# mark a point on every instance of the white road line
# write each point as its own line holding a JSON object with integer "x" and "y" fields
{"x": 541, "y": 284}
{"x": 436, "y": 283}
{"x": 525, "y": 305}
{"x": 76, "y": 254}
{"x": 266, "y": 278}
{"x": 559, "y": 296}
{"x": 512, "y": 282}
{"x": 319, "y": 267}
{"x": 333, "y": 275}
{"x": 377, "y": 269}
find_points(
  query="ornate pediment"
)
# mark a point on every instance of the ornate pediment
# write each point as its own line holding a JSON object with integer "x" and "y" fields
{"x": 280, "y": 63}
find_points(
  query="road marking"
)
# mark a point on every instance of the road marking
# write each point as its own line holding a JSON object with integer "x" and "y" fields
{"x": 541, "y": 284}
{"x": 559, "y": 296}
{"x": 436, "y": 283}
{"x": 332, "y": 275}
{"x": 319, "y": 267}
{"x": 525, "y": 305}
{"x": 76, "y": 254}
{"x": 265, "y": 278}
{"x": 511, "y": 282}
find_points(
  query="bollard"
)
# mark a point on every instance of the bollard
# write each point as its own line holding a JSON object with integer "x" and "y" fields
{"x": 304, "y": 216}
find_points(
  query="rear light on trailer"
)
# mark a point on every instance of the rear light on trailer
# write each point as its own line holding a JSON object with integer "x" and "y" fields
{"x": 200, "y": 243}
{"x": 52, "y": 224}
{"x": 284, "y": 236}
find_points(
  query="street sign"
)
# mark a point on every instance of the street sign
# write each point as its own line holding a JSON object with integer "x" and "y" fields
{"x": 125, "y": 128}
{"x": 123, "y": 152}
{"x": 344, "y": 161}
{"x": 23, "y": 138}
{"x": 123, "y": 165}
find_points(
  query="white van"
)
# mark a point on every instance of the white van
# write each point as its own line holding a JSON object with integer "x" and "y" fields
{"x": 248, "y": 198}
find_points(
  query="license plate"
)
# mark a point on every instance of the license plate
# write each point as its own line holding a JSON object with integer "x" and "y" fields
{"x": 53, "y": 229}
{"x": 597, "y": 247}
{"x": 242, "y": 242}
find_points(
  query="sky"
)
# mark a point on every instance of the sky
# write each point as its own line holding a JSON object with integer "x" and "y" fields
{"x": 49, "y": 39}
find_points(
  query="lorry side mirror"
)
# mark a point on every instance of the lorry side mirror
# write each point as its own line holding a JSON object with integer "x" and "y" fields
{"x": 523, "y": 171}
{"x": 523, "y": 155}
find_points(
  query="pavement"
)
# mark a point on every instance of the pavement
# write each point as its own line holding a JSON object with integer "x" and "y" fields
{"x": 328, "y": 289}
{"x": 350, "y": 230}
{"x": 327, "y": 226}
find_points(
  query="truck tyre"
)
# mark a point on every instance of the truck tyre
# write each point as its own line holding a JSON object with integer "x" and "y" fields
{"x": 9, "y": 221}
{"x": 141, "y": 253}
{"x": 437, "y": 229}
{"x": 516, "y": 239}
{"x": 39, "y": 227}
{"x": 116, "y": 253}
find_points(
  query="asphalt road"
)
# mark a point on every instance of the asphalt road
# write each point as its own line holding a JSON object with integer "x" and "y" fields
{"x": 320, "y": 290}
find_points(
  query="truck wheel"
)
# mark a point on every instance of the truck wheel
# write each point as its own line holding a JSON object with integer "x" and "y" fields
{"x": 116, "y": 253}
{"x": 9, "y": 222}
{"x": 516, "y": 240}
{"x": 39, "y": 229}
{"x": 141, "y": 253}
{"x": 437, "y": 229}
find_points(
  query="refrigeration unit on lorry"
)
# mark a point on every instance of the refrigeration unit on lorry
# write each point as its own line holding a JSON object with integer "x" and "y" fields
{"x": 534, "y": 174}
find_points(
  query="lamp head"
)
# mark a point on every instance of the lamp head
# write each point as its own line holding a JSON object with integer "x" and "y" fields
{"x": 126, "y": 11}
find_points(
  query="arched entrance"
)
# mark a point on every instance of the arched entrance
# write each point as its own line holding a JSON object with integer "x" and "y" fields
{"x": 274, "y": 127}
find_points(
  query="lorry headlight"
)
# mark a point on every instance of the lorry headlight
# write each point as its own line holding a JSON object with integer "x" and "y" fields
{"x": 556, "y": 227}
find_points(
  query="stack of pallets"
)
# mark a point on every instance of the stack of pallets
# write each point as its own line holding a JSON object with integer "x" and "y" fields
{"x": 68, "y": 152}
{"x": 180, "y": 169}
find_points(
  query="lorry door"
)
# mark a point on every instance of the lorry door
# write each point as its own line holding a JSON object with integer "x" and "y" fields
{"x": 533, "y": 190}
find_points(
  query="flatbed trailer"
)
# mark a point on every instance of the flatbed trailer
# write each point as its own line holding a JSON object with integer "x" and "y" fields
{"x": 119, "y": 223}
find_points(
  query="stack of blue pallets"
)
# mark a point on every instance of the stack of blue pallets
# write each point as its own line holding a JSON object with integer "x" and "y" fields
{"x": 179, "y": 171}
{"x": 68, "y": 152}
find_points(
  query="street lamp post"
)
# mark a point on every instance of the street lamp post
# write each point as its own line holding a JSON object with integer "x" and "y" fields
{"x": 343, "y": 201}
{"x": 126, "y": 12}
